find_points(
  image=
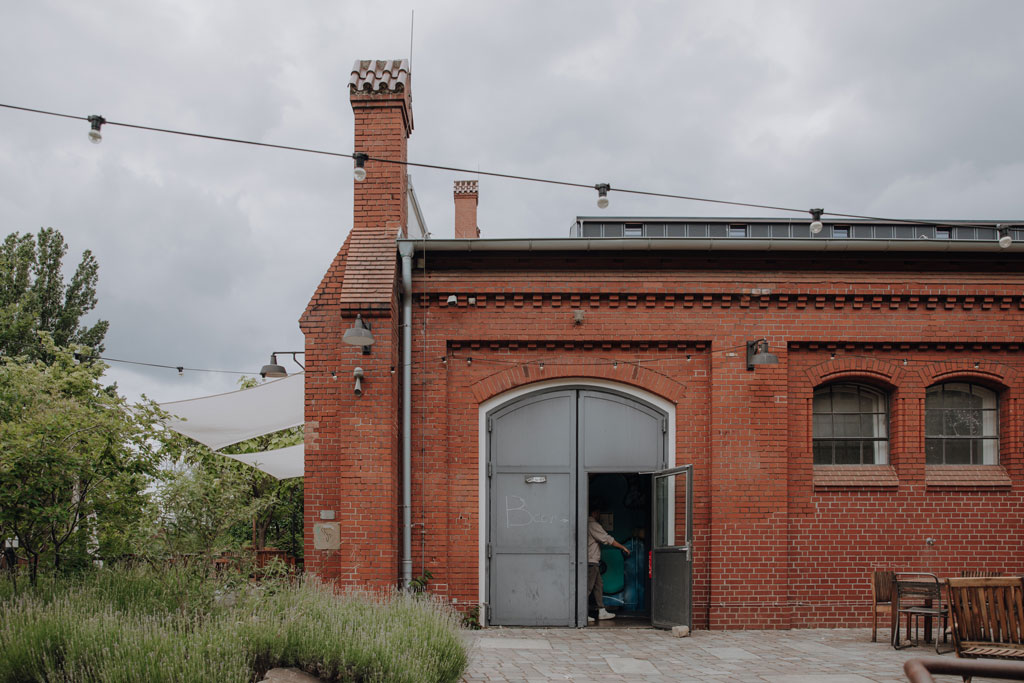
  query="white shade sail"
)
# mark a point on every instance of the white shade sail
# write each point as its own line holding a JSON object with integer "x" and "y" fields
{"x": 283, "y": 463}
{"x": 224, "y": 419}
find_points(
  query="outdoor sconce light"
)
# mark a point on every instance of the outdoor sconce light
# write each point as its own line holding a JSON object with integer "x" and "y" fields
{"x": 359, "y": 335}
{"x": 95, "y": 121}
{"x": 1005, "y": 238}
{"x": 358, "y": 374}
{"x": 452, "y": 300}
{"x": 816, "y": 224}
{"x": 757, "y": 354}
{"x": 602, "y": 195}
{"x": 274, "y": 370}
{"x": 359, "y": 172}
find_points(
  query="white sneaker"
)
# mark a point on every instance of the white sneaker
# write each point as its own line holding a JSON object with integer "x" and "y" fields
{"x": 605, "y": 614}
{"x": 590, "y": 620}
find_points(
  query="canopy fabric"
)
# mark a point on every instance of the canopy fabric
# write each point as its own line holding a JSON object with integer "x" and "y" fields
{"x": 283, "y": 463}
{"x": 223, "y": 419}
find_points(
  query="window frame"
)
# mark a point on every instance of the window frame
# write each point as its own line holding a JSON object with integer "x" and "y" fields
{"x": 878, "y": 448}
{"x": 978, "y": 452}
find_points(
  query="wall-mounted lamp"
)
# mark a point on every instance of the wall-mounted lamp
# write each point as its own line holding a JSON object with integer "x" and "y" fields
{"x": 757, "y": 354}
{"x": 359, "y": 335}
{"x": 452, "y": 300}
{"x": 359, "y": 172}
{"x": 816, "y": 224}
{"x": 602, "y": 195}
{"x": 95, "y": 121}
{"x": 274, "y": 370}
{"x": 358, "y": 375}
{"x": 1005, "y": 238}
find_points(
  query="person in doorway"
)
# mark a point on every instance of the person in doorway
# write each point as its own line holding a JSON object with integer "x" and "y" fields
{"x": 596, "y": 535}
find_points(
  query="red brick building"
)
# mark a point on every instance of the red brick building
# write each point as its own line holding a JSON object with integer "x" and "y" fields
{"x": 888, "y": 434}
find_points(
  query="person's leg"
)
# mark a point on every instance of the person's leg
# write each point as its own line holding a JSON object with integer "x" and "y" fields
{"x": 593, "y": 574}
{"x": 602, "y": 613}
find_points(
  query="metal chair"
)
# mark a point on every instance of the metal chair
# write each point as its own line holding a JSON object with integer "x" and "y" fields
{"x": 919, "y": 597}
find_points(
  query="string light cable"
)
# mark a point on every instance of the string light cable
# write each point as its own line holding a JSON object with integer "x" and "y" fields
{"x": 602, "y": 188}
{"x": 180, "y": 368}
{"x": 560, "y": 361}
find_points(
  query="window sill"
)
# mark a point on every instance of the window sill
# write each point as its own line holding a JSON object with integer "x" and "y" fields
{"x": 830, "y": 477}
{"x": 966, "y": 477}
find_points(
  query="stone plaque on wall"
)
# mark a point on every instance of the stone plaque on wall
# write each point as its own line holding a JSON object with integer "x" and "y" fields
{"x": 327, "y": 536}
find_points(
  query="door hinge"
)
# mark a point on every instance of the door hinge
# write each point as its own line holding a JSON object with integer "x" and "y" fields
{"x": 490, "y": 467}
{"x": 488, "y": 551}
{"x": 490, "y": 424}
{"x": 664, "y": 425}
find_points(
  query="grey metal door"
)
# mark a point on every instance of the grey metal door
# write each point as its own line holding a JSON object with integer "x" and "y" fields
{"x": 671, "y": 557}
{"x": 532, "y": 541}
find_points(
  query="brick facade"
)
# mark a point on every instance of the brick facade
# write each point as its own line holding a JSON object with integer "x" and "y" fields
{"x": 778, "y": 541}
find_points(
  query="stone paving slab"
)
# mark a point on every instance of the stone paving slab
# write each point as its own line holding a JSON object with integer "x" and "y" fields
{"x": 617, "y": 655}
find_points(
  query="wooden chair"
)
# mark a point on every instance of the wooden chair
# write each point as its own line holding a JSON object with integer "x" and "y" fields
{"x": 882, "y": 586}
{"x": 919, "y": 597}
{"x": 988, "y": 617}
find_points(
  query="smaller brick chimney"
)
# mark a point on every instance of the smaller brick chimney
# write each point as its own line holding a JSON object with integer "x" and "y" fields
{"x": 466, "y": 195}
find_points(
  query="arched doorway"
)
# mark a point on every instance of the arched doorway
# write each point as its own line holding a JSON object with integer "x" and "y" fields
{"x": 542, "y": 451}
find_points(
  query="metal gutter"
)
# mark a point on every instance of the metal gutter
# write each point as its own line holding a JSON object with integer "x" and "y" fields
{"x": 725, "y": 244}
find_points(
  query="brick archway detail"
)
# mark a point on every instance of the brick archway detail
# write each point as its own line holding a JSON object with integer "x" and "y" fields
{"x": 530, "y": 373}
{"x": 992, "y": 373}
{"x": 882, "y": 371}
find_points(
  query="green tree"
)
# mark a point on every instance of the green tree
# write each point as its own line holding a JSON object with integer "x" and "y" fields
{"x": 34, "y": 297}
{"x": 75, "y": 458}
{"x": 276, "y": 504}
{"x": 200, "y": 496}
{"x": 209, "y": 502}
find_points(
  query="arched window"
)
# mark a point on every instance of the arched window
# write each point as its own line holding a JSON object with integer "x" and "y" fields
{"x": 851, "y": 425}
{"x": 961, "y": 425}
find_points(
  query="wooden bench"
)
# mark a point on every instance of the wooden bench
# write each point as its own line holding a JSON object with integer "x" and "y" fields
{"x": 987, "y": 617}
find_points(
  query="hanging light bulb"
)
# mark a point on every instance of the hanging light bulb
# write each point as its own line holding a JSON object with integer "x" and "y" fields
{"x": 602, "y": 195}
{"x": 359, "y": 172}
{"x": 95, "y": 121}
{"x": 816, "y": 224}
{"x": 1005, "y": 238}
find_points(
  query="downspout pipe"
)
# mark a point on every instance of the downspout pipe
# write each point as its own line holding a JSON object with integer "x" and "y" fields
{"x": 406, "y": 251}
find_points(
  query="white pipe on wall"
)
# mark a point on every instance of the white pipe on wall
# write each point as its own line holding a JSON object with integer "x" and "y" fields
{"x": 406, "y": 250}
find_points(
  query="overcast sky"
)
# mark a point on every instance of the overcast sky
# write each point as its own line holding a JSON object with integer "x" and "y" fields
{"x": 210, "y": 251}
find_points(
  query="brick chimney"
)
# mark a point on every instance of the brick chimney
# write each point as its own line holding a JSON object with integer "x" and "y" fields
{"x": 345, "y": 432}
{"x": 466, "y": 196}
{"x": 381, "y": 99}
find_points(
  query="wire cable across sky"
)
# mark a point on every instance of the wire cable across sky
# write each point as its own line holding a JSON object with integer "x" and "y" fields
{"x": 492, "y": 174}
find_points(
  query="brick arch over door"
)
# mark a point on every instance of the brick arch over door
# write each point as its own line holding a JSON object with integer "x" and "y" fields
{"x": 626, "y": 375}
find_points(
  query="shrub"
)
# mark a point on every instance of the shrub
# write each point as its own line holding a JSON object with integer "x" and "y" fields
{"x": 179, "y": 624}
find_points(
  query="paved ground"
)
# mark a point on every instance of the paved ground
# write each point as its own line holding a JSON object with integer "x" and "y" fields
{"x": 648, "y": 655}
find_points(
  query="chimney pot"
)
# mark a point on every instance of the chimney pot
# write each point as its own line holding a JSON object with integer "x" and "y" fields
{"x": 466, "y": 197}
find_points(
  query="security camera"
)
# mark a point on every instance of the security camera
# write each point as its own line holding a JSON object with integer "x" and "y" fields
{"x": 358, "y": 374}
